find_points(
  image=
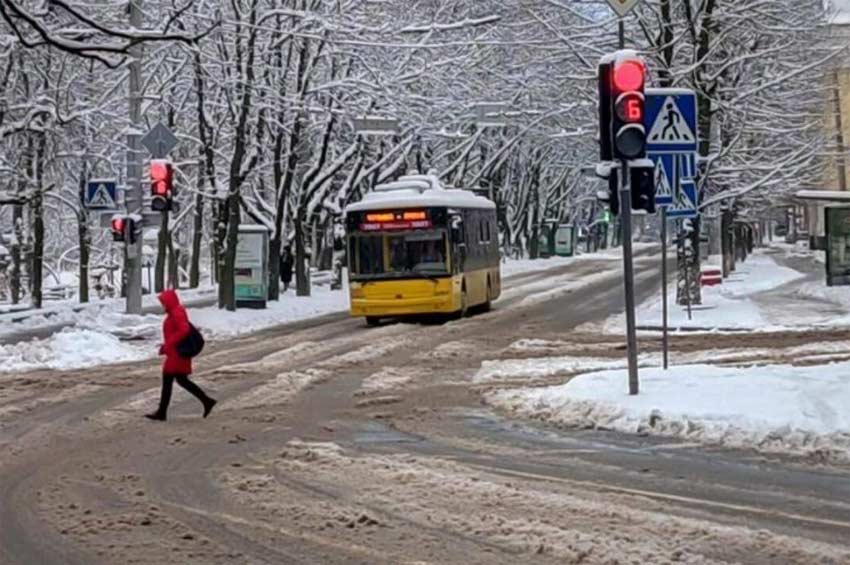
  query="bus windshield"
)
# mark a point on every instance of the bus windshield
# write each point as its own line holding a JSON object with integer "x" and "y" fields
{"x": 417, "y": 253}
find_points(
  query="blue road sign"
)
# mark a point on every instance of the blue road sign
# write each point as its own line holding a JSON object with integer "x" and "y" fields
{"x": 672, "y": 144}
{"x": 100, "y": 194}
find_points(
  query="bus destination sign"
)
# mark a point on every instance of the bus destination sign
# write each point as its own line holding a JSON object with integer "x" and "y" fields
{"x": 389, "y": 221}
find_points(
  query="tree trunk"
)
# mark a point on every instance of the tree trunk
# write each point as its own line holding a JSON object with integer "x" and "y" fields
{"x": 37, "y": 269}
{"x": 173, "y": 265}
{"x": 275, "y": 246}
{"x": 15, "y": 286}
{"x": 227, "y": 284}
{"x": 726, "y": 242}
{"x": 302, "y": 282}
{"x": 688, "y": 287}
{"x": 197, "y": 235}
{"x": 83, "y": 239}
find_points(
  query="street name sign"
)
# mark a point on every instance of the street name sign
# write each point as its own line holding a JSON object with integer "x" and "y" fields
{"x": 672, "y": 144}
{"x": 623, "y": 7}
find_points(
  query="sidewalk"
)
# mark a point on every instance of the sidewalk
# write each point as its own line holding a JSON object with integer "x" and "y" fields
{"x": 778, "y": 287}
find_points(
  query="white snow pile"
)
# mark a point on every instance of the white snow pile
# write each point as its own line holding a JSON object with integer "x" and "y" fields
{"x": 773, "y": 409}
{"x": 67, "y": 350}
{"x": 100, "y": 335}
{"x": 731, "y": 305}
{"x": 218, "y": 324}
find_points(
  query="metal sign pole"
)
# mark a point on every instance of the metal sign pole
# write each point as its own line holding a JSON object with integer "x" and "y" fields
{"x": 665, "y": 344}
{"x": 628, "y": 268}
{"x": 133, "y": 264}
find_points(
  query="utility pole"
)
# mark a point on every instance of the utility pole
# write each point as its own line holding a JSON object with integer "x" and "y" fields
{"x": 133, "y": 264}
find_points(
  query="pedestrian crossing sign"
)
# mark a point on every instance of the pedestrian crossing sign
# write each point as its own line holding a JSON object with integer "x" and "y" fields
{"x": 663, "y": 186}
{"x": 100, "y": 194}
{"x": 672, "y": 144}
{"x": 671, "y": 120}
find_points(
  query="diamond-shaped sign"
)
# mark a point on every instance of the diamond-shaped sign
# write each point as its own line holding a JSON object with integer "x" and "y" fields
{"x": 159, "y": 141}
{"x": 623, "y": 7}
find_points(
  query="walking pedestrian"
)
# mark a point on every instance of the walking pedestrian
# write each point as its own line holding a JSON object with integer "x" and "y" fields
{"x": 286, "y": 268}
{"x": 176, "y": 328}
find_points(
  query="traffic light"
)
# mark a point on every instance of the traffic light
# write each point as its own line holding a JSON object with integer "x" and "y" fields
{"x": 605, "y": 105}
{"x": 612, "y": 197}
{"x": 628, "y": 81}
{"x": 162, "y": 185}
{"x": 642, "y": 183}
{"x": 117, "y": 228}
{"x": 124, "y": 228}
{"x": 131, "y": 224}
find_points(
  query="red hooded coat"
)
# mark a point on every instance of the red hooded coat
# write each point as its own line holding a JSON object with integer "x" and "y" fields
{"x": 175, "y": 328}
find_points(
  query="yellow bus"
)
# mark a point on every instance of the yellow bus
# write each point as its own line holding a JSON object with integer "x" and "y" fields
{"x": 416, "y": 248}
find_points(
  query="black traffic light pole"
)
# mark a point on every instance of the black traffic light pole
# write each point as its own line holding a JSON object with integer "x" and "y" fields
{"x": 628, "y": 258}
{"x": 629, "y": 274}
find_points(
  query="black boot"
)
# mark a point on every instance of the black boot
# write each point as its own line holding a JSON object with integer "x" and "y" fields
{"x": 155, "y": 416}
{"x": 209, "y": 403}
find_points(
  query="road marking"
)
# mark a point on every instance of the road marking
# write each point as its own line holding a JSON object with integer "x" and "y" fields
{"x": 664, "y": 496}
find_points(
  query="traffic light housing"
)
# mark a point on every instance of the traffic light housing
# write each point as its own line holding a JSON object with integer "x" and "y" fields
{"x": 124, "y": 228}
{"x": 162, "y": 185}
{"x": 605, "y": 106}
{"x": 612, "y": 197}
{"x": 627, "y": 98}
{"x": 642, "y": 185}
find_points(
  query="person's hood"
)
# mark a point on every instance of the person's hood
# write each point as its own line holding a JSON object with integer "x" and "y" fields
{"x": 169, "y": 300}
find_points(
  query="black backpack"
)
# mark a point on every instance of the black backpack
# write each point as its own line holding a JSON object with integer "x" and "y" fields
{"x": 192, "y": 344}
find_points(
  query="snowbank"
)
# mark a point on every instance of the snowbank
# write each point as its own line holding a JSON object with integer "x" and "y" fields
{"x": 70, "y": 349}
{"x": 732, "y": 305}
{"x": 100, "y": 335}
{"x": 219, "y": 324}
{"x": 774, "y": 409}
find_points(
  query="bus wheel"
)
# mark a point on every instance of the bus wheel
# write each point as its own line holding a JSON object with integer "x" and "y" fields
{"x": 489, "y": 304}
{"x": 463, "y": 303}
{"x": 372, "y": 321}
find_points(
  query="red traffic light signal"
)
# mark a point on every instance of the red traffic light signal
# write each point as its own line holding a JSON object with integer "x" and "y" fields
{"x": 628, "y": 80}
{"x": 162, "y": 184}
{"x": 118, "y": 224}
{"x": 629, "y": 75}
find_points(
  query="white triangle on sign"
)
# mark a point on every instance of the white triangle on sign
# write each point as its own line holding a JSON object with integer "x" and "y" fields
{"x": 623, "y": 7}
{"x": 670, "y": 127}
{"x": 662, "y": 184}
{"x": 101, "y": 198}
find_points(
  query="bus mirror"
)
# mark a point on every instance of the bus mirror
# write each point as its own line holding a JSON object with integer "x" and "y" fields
{"x": 456, "y": 229}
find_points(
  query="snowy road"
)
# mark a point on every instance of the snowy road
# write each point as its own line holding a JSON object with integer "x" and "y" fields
{"x": 334, "y": 443}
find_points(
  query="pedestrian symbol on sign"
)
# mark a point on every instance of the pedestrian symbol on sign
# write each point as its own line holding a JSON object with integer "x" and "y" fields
{"x": 670, "y": 127}
{"x": 101, "y": 198}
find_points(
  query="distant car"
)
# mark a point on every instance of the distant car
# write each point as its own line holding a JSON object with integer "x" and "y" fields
{"x": 781, "y": 230}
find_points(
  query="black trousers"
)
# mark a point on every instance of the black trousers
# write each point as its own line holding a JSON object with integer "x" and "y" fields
{"x": 184, "y": 381}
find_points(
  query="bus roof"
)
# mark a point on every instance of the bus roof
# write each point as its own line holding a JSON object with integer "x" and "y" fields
{"x": 418, "y": 191}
